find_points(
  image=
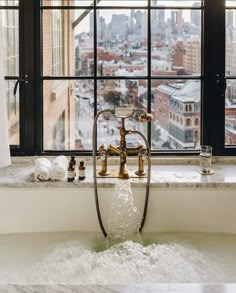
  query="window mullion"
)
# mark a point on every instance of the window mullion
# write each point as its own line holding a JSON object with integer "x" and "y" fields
{"x": 27, "y": 117}
{"x": 214, "y": 63}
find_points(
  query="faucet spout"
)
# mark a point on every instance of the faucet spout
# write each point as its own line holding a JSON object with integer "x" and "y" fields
{"x": 123, "y": 172}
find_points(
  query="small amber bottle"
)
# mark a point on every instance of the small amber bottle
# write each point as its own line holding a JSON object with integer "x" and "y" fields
{"x": 71, "y": 172}
{"x": 81, "y": 171}
{"x": 72, "y": 160}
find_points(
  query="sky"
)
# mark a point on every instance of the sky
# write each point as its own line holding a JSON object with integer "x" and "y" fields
{"x": 138, "y": 2}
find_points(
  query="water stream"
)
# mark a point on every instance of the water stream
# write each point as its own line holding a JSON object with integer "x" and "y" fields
{"x": 124, "y": 217}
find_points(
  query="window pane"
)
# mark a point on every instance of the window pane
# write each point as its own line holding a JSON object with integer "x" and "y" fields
{"x": 176, "y": 42}
{"x": 176, "y": 108}
{"x": 9, "y": 2}
{"x": 230, "y": 113}
{"x": 67, "y": 2}
{"x": 67, "y": 42}
{"x": 171, "y": 3}
{"x": 118, "y": 3}
{"x": 9, "y": 30}
{"x": 83, "y": 27}
{"x": 122, "y": 42}
{"x": 231, "y": 3}
{"x": 13, "y": 113}
{"x": 67, "y": 116}
{"x": 116, "y": 93}
{"x": 230, "y": 47}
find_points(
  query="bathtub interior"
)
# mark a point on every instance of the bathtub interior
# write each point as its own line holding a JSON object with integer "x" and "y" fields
{"x": 53, "y": 236}
{"x": 84, "y": 258}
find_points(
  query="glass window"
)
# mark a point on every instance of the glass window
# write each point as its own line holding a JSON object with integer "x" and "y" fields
{"x": 150, "y": 54}
{"x": 230, "y": 69}
{"x": 9, "y": 34}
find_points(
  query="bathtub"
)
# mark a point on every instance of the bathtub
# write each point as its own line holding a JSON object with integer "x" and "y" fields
{"x": 182, "y": 202}
{"x": 181, "y": 199}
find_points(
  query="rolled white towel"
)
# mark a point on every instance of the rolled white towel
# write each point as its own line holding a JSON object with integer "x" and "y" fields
{"x": 42, "y": 169}
{"x": 59, "y": 168}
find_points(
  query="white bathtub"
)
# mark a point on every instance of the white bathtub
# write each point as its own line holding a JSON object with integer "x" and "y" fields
{"x": 183, "y": 210}
{"x": 180, "y": 201}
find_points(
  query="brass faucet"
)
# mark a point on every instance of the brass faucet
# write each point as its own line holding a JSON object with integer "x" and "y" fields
{"x": 122, "y": 149}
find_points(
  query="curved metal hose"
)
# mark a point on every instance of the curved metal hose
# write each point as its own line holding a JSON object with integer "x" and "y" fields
{"x": 95, "y": 170}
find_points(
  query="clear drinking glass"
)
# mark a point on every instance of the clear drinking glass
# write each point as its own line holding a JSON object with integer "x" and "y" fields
{"x": 205, "y": 158}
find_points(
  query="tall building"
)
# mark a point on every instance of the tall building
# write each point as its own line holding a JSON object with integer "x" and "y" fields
{"x": 91, "y": 23}
{"x": 101, "y": 30}
{"x": 192, "y": 56}
{"x": 230, "y": 18}
{"x": 119, "y": 25}
{"x": 195, "y": 16}
{"x": 58, "y": 95}
{"x": 178, "y": 54}
{"x": 176, "y": 21}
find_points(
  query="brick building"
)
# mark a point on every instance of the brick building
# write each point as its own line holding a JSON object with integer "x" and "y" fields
{"x": 177, "y": 110}
{"x": 58, "y": 95}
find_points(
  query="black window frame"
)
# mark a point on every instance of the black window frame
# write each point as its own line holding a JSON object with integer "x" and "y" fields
{"x": 213, "y": 64}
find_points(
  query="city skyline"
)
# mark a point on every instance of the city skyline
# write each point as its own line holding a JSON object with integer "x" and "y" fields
{"x": 84, "y": 25}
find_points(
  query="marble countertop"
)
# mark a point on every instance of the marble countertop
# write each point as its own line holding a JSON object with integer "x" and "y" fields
{"x": 166, "y": 173}
{"x": 124, "y": 288}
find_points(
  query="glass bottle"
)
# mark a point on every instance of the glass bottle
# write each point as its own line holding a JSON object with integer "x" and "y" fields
{"x": 72, "y": 160}
{"x": 71, "y": 173}
{"x": 81, "y": 171}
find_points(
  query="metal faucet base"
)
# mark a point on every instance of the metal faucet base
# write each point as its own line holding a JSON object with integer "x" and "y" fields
{"x": 115, "y": 174}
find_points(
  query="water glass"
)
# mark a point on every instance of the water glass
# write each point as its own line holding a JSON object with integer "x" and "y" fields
{"x": 205, "y": 158}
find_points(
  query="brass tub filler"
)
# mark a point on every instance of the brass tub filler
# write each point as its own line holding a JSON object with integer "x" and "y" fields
{"x": 142, "y": 152}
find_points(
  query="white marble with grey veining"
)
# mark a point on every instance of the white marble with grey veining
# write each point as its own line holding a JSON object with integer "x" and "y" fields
{"x": 166, "y": 173}
{"x": 125, "y": 288}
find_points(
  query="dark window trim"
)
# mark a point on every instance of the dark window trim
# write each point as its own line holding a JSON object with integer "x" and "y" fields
{"x": 212, "y": 104}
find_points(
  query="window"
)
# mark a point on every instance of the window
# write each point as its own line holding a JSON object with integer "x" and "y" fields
{"x": 9, "y": 31}
{"x": 188, "y": 122}
{"x": 57, "y": 41}
{"x": 85, "y": 56}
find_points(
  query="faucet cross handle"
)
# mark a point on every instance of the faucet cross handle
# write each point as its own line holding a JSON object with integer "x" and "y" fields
{"x": 102, "y": 151}
{"x": 143, "y": 154}
{"x": 146, "y": 117}
{"x": 103, "y": 157}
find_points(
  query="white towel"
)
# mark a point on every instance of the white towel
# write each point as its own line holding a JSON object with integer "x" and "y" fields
{"x": 59, "y": 168}
{"x": 42, "y": 170}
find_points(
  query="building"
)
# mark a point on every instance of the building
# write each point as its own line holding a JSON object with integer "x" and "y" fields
{"x": 192, "y": 57}
{"x": 177, "y": 110}
{"x": 58, "y": 95}
{"x": 195, "y": 16}
{"x": 178, "y": 52}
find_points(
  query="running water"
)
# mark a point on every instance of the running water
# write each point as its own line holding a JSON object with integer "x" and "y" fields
{"x": 124, "y": 217}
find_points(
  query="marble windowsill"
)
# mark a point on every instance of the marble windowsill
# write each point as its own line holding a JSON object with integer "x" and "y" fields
{"x": 174, "y": 172}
